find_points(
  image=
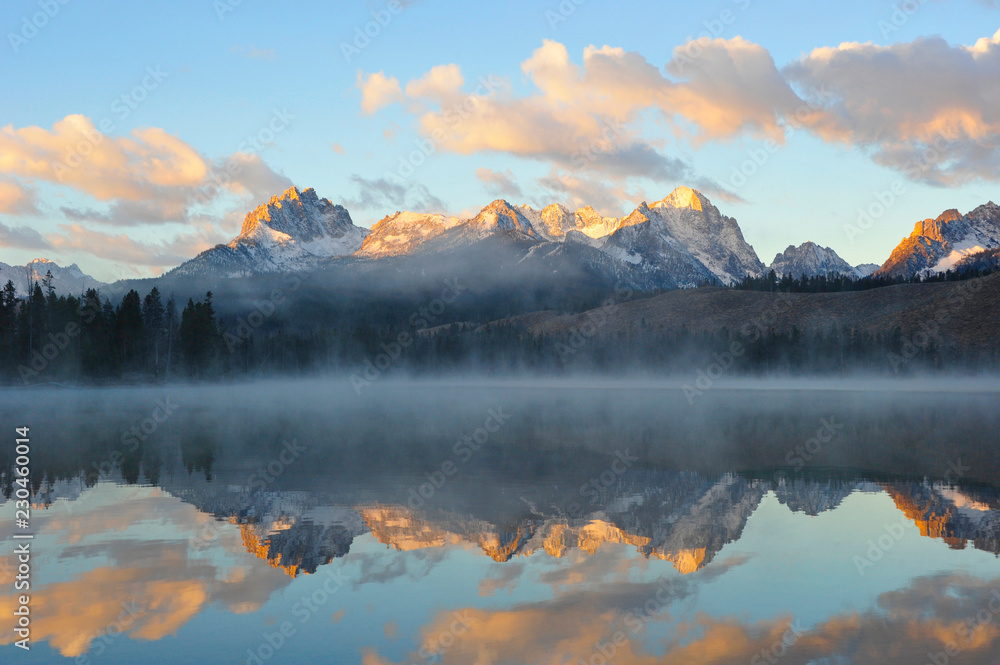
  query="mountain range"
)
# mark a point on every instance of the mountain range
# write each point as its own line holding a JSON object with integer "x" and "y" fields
{"x": 813, "y": 260}
{"x": 680, "y": 241}
{"x": 946, "y": 242}
{"x": 683, "y": 518}
{"x": 69, "y": 280}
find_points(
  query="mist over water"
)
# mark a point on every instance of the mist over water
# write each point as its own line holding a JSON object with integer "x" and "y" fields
{"x": 408, "y": 523}
{"x": 904, "y": 427}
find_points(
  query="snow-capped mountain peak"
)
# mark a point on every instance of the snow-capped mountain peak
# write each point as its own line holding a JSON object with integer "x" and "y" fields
{"x": 939, "y": 244}
{"x": 686, "y": 223}
{"x": 502, "y": 216}
{"x": 684, "y": 197}
{"x": 555, "y": 222}
{"x": 303, "y": 218}
{"x": 813, "y": 260}
{"x": 69, "y": 280}
{"x": 682, "y": 240}
{"x": 403, "y": 232}
{"x": 293, "y": 231}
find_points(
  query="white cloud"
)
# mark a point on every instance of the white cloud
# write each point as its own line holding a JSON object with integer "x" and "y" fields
{"x": 377, "y": 91}
{"x": 924, "y": 107}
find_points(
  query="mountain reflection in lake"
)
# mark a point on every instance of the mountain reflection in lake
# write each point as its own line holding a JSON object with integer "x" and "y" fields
{"x": 509, "y": 523}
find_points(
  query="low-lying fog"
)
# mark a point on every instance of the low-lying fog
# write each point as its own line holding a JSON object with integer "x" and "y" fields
{"x": 917, "y": 427}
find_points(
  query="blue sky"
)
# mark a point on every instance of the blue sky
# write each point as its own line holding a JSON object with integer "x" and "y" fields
{"x": 203, "y": 76}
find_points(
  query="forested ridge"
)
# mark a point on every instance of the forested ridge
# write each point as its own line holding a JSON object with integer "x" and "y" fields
{"x": 48, "y": 337}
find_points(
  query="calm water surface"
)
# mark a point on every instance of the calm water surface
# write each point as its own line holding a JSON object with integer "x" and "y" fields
{"x": 549, "y": 524}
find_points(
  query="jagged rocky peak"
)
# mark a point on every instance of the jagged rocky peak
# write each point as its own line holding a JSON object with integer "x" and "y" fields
{"x": 811, "y": 260}
{"x": 686, "y": 223}
{"x": 65, "y": 280}
{"x": 293, "y": 231}
{"x": 501, "y": 215}
{"x": 866, "y": 269}
{"x": 557, "y": 220}
{"x": 940, "y": 244}
{"x": 301, "y": 215}
{"x": 935, "y": 229}
{"x": 685, "y": 197}
{"x": 640, "y": 215}
{"x": 591, "y": 223}
{"x": 403, "y": 233}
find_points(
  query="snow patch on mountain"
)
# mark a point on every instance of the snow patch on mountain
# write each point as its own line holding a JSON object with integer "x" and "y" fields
{"x": 812, "y": 260}
{"x": 291, "y": 232}
{"x": 866, "y": 269}
{"x": 403, "y": 232}
{"x": 686, "y": 234}
{"x": 959, "y": 251}
{"x": 939, "y": 244}
{"x": 556, "y": 221}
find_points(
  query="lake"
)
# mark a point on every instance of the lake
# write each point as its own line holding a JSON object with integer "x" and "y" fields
{"x": 549, "y": 523}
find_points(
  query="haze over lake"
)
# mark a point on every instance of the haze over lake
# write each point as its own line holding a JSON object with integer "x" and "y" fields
{"x": 537, "y": 522}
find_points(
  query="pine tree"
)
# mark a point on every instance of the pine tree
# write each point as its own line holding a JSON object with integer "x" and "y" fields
{"x": 171, "y": 325}
{"x": 153, "y": 323}
{"x": 199, "y": 336}
{"x": 129, "y": 331}
{"x": 8, "y": 325}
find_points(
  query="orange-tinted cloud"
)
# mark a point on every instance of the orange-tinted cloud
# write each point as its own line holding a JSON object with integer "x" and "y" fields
{"x": 146, "y": 588}
{"x": 927, "y": 618}
{"x": 926, "y": 108}
{"x": 377, "y": 91}
{"x": 77, "y": 154}
{"x": 16, "y": 199}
